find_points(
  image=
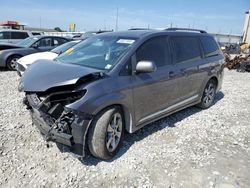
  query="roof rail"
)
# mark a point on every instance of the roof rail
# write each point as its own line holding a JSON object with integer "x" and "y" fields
{"x": 139, "y": 29}
{"x": 185, "y": 29}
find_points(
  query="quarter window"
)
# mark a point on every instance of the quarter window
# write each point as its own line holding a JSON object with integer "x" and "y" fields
{"x": 155, "y": 50}
{"x": 210, "y": 46}
{"x": 186, "y": 49}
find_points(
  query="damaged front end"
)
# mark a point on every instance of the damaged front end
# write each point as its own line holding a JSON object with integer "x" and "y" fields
{"x": 57, "y": 122}
{"x": 50, "y": 88}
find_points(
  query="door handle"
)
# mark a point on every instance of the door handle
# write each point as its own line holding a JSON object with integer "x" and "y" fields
{"x": 183, "y": 72}
{"x": 171, "y": 74}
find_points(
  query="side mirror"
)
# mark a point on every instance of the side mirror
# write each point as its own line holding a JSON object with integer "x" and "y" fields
{"x": 35, "y": 45}
{"x": 145, "y": 67}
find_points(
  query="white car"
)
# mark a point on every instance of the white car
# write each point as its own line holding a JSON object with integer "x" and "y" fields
{"x": 24, "y": 62}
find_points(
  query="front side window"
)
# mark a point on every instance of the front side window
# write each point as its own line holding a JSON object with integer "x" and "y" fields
{"x": 186, "y": 49}
{"x": 100, "y": 52}
{"x": 210, "y": 46}
{"x": 27, "y": 42}
{"x": 155, "y": 50}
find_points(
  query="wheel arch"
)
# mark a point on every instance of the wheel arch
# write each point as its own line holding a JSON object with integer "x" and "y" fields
{"x": 7, "y": 57}
{"x": 214, "y": 78}
{"x": 126, "y": 115}
{"x": 125, "y": 112}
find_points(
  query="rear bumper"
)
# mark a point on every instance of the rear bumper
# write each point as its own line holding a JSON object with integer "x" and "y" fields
{"x": 220, "y": 80}
{"x": 67, "y": 131}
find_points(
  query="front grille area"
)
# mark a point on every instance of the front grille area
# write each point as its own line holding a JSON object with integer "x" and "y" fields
{"x": 21, "y": 67}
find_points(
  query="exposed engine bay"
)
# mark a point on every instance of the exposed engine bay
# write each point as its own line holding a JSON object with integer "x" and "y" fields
{"x": 54, "y": 119}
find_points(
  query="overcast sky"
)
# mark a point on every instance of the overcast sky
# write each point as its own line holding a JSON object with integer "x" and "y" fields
{"x": 222, "y": 16}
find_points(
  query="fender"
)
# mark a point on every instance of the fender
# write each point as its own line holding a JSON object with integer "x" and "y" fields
{"x": 118, "y": 99}
{"x": 97, "y": 104}
{"x": 4, "y": 56}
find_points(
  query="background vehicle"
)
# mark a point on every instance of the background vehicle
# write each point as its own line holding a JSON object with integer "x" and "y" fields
{"x": 14, "y": 36}
{"x": 9, "y": 57}
{"x": 89, "y": 34}
{"x": 24, "y": 62}
{"x": 121, "y": 81}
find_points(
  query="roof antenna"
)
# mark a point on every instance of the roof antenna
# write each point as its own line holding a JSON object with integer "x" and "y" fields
{"x": 116, "y": 23}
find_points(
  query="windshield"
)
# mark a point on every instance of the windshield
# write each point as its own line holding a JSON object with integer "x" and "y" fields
{"x": 101, "y": 52}
{"x": 62, "y": 48}
{"x": 27, "y": 42}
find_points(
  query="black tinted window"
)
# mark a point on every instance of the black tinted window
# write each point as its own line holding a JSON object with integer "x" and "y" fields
{"x": 34, "y": 33}
{"x": 155, "y": 50}
{"x": 4, "y": 35}
{"x": 19, "y": 35}
{"x": 186, "y": 49}
{"x": 210, "y": 46}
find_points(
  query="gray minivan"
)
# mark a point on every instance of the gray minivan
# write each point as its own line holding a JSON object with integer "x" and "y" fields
{"x": 121, "y": 81}
{"x": 14, "y": 36}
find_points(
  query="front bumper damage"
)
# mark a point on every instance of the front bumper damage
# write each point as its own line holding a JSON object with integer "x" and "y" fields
{"x": 58, "y": 123}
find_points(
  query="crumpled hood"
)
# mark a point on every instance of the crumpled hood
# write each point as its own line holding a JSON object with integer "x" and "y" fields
{"x": 46, "y": 74}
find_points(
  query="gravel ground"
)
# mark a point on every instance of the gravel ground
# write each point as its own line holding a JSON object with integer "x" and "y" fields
{"x": 192, "y": 148}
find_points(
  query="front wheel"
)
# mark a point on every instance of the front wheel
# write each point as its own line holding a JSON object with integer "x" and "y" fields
{"x": 106, "y": 133}
{"x": 12, "y": 62}
{"x": 208, "y": 95}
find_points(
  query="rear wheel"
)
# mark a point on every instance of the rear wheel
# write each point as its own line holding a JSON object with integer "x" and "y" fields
{"x": 12, "y": 62}
{"x": 208, "y": 95}
{"x": 106, "y": 133}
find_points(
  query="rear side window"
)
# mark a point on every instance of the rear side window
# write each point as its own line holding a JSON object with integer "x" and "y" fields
{"x": 186, "y": 49}
{"x": 155, "y": 50}
{"x": 59, "y": 41}
{"x": 45, "y": 42}
{"x": 4, "y": 35}
{"x": 19, "y": 35}
{"x": 210, "y": 46}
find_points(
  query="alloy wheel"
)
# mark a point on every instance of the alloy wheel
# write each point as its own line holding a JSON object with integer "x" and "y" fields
{"x": 209, "y": 94}
{"x": 114, "y": 132}
{"x": 13, "y": 63}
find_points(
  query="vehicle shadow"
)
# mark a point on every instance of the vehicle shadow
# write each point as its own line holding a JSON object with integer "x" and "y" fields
{"x": 4, "y": 69}
{"x": 167, "y": 122}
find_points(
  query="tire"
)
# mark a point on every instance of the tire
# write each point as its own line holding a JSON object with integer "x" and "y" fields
{"x": 208, "y": 95}
{"x": 106, "y": 133}
{"x": 11, "y": 62}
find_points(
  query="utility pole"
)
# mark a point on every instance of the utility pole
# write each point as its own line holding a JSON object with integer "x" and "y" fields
{"x": 193, "y": 24}
{"x": 40, "y": 21}
{"x": 116, "y": 23}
